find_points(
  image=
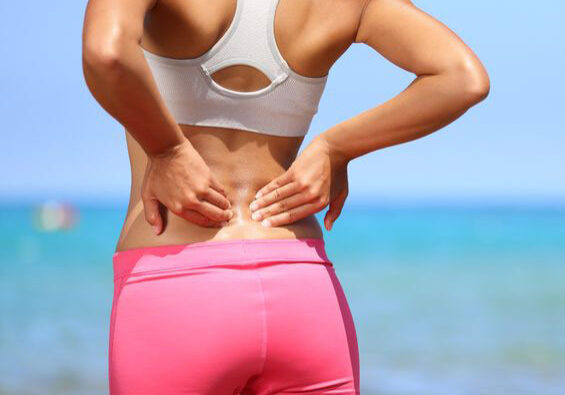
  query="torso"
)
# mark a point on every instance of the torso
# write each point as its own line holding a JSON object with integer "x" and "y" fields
{"x": 311, "y": 35}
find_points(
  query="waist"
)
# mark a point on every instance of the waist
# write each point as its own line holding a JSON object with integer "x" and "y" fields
{"x": 136, "y": 232}
{"x": 163, "y": 260}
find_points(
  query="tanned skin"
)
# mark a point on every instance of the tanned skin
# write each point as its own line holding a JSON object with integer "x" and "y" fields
{"x": 193, "y": 183}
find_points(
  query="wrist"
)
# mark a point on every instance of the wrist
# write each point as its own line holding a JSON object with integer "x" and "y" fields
{"x": 172, "y": 149}
{"x": 170, "y": 142}
{"x": 335, "y": 151}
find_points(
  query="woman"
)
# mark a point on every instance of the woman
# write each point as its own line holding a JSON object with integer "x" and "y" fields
{"x": 222, "y": 284}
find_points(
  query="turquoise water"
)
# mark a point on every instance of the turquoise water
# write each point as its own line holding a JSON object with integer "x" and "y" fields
{"x": 445, "y": 300}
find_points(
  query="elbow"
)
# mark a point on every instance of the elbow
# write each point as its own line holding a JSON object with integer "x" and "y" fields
{"x": 477, "y": 87}
{"x": 475, "y": 81}
{"x": 102, "y": 54}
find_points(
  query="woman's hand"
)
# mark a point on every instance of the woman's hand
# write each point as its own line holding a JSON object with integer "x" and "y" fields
{"x": 181, "y": 180}
{"x": 316, "y": 178}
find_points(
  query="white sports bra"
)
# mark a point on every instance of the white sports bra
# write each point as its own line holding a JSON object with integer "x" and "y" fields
{"x": 284, "y": 108}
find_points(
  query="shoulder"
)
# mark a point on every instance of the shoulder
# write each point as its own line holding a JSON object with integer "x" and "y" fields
{"x": 339, "y": 18}
{"x": 374, "y": 12}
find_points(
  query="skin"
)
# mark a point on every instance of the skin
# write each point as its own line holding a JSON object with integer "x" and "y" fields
{"x": 192, "y": 183}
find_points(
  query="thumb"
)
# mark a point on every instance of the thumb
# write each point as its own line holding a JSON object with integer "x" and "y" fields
{"x": 152, "y": 214}
{"x": 335, "y": 209}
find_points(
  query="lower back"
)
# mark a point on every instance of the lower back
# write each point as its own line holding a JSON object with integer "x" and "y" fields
{"x": 243, "y": 162}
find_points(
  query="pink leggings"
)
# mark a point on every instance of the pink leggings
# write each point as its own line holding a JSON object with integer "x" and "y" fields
{"x": 245, "y": 316}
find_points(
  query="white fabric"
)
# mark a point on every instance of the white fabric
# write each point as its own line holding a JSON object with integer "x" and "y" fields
{"x": 283, "y": 108}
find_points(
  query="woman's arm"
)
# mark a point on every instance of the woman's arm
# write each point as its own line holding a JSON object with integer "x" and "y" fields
{"x": 119, "y": 78}
{"x": 450, "y": 79}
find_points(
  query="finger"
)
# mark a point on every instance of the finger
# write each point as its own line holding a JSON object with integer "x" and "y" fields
{"x": 291, "y": 215}
{"x": 217, "y": 185}
{"x": 335, "y": 209}
{"x": 275, "y": 195}
{"x": 217, "y": 199}
{"x": 278, "y": 182}
{"x": 213, "y": 212}
{"x": 152, "y": 215}
{"x": 199, "y": 219}
{"x": 288, "y": 203}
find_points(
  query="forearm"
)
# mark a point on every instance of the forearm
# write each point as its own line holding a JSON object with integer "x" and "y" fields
{"x": 429, "y": 103}
{"x": 120, "y": 80}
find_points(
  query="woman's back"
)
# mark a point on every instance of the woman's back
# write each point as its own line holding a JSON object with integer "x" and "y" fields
{"x": 310, "y": 36}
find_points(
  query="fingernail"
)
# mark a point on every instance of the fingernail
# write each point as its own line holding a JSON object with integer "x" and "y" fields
{"x": 266, "y": 222}
{"x": 258, "y": 195}
{"x": 224, "y": 223}
{"x": 253, "y": 206}
{"x": 156, "y": 229}
{"x": 230, "y": 213}
{"x": 256, "y": 215}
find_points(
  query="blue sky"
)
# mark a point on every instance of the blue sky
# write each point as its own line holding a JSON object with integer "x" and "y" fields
{"x": 57, "y": 142}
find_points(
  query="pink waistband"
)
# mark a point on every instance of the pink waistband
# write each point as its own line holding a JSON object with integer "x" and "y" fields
{"x": 219, "y": 252}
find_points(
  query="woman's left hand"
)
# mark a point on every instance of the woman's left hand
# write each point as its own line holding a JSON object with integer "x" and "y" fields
{"x": 316, "y": 178}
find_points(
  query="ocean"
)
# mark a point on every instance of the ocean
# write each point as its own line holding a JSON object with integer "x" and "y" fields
{"x": 446, "y": 299}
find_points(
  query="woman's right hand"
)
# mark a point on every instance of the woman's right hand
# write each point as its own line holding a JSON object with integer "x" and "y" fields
{"x": 182, "y": 182}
